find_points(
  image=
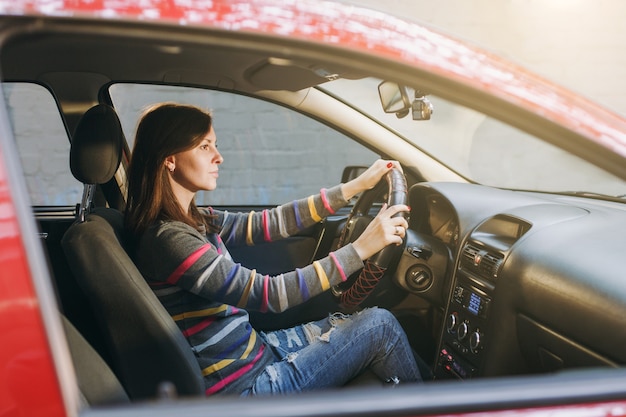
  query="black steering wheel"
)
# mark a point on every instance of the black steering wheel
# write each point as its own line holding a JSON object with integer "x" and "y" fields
{"x": 394, "y": 183}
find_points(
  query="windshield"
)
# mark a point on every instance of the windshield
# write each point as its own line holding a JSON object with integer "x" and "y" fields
{"x": 483, "y": 149}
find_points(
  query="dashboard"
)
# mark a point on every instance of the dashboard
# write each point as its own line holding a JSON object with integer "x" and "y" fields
{"x": 523, "y": 282}
{"x": 442, "y": 219}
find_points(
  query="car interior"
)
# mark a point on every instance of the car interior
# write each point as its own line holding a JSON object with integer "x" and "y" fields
{"x": 490, "y": 282}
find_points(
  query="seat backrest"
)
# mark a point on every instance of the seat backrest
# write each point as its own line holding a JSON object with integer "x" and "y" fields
{"x": 147, "y": 348}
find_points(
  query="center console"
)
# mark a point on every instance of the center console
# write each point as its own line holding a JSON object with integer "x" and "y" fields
{"x": 466, "y": 332}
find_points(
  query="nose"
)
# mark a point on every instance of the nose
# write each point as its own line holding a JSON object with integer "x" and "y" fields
{"x": 218, "y": 159}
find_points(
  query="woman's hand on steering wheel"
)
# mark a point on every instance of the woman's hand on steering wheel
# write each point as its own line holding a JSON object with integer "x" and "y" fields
{"x": 376, "y": 243}
{"x": 386, "y": 229}
{"x": 369, "y": 178}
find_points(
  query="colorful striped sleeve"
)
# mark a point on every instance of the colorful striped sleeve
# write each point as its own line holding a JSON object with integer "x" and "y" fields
{"x": 280, "y": 222}
{"x": 179, "y": 255}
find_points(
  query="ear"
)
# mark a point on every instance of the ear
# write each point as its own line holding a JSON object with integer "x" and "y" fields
{"x": 170, "y": 163}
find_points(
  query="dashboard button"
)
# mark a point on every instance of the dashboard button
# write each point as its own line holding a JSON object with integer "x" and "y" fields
{"x": 462, "y": 331}
{"x": 475, "y": 341}
{"x": 453, "y": 321}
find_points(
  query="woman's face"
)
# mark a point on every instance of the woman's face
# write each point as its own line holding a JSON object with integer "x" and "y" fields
{"x": 196, "y": 169}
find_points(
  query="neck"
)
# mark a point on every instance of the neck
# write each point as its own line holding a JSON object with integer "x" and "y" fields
{"x": 183, "y": 196}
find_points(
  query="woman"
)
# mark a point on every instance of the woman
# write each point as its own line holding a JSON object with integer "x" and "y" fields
{"x": 181, "y": 251}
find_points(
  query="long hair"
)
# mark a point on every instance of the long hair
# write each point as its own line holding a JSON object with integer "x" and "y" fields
{"x": 164, "y": 130}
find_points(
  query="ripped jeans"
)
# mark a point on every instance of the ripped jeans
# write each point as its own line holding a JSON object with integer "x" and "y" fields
{"x": 330, "y": 352}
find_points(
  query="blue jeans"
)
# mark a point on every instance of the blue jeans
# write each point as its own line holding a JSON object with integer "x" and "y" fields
{"x": 331, "y": 352}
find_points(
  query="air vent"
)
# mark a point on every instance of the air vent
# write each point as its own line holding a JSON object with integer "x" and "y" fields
{"x": 490, "y": 266}
{"x": 469, "y": 253}
{"x": 485, "y": 264}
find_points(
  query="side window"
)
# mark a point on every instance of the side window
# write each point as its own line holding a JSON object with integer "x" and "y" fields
{"x": 42, "y": 144}
{"x": 271, "y": 154}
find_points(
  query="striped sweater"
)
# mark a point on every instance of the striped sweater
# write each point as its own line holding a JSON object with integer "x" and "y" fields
{"x": 207, "y": 293}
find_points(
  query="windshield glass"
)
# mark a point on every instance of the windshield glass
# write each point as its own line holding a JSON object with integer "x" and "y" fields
{"x": 483, "y": 149}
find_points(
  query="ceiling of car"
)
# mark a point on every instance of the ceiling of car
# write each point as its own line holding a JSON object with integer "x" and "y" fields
{"x": 76, "y": 63}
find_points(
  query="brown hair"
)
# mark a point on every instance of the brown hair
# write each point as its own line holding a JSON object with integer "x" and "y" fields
{"x": 164, "y": 130}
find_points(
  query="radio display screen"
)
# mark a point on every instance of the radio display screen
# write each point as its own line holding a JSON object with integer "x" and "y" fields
{"x": 474, "y": 303}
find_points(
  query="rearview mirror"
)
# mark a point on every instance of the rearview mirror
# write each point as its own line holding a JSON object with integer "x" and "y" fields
{"x": 394, "y": 98}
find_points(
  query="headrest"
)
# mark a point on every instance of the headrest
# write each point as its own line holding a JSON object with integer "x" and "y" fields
{"x": 97, "y": 145}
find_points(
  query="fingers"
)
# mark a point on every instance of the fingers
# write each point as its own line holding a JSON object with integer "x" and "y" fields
{"x": 390, "y": 164}
{"x": 399, "y": 232}
{"x": 393, "y": 210}
{"x": 394, "y": 227}
{"x": 383, "y": 166}
{"x": 384, "y": 230}
{"x": 369, "y": 179}
{"x": 375, "y": 173}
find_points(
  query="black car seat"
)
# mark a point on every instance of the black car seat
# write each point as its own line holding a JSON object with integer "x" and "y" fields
{"x": 147, "y": 349}
{"x": 97, "y": 383}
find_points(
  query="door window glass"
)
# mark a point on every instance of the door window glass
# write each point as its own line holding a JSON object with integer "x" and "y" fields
{"x": 43, "y": 145}
{"x": 271, "y": 154}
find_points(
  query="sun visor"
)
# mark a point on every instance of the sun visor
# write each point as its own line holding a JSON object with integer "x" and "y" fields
{"x": 284, "y": 74}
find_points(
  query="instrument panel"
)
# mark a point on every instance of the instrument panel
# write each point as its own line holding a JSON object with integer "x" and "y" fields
{"x": 442, "y": 220}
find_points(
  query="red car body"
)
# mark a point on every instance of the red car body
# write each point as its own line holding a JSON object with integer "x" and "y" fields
{"x": 34, "y": 364}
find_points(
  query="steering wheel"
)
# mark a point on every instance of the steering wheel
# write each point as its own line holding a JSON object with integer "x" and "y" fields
{"x": 394, "y": 182}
